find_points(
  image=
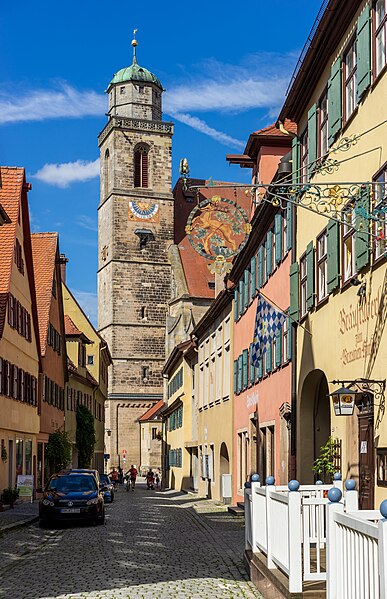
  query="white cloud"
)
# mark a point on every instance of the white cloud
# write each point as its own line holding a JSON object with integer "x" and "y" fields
{"x": 89, "y": 304}
{"x": 199, "y": 125}
{"x": 61, "y": 175}
{"x": 41, "y": 104}
{"x": 86, "y": 222}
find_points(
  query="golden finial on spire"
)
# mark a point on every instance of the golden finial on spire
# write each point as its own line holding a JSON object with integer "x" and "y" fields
{"x": 134, "y": 44}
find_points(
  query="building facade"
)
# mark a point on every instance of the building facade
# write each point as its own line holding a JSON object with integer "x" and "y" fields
{"x": 151, "y": 425}
{"x": 135, "y": 231}
{"x": 338, "y": 275}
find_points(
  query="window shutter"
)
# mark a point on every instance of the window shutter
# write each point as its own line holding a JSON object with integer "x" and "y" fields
{"x": 278, "y": 237}
{"x": 269, "y": 358}
{"x": 333, "y": 255}
{"x": 236, "y": 314}
{"x": 253, "y": 280}
{"x": 144, "y": 170}
{"x": 310, "y": 275}
{"x": 289, "y": 228}
{"x": 363, "y": 51}
{"x": 269, "y": 254}
{"x": 245, "y": 365}
{"x": 251, "y": 365}
{"x": 235, "y": 376}
{"x": 137, "y": 169}
{"x": 260, "y": 266}
{"x": 241, "y": 297}
{"x": 239, "y": 374}
{"x": 312, "y": 138}
{"x": 246, "y": 288}
{"x": 290, "y": 336}
{"x": 278, "y": 347}
{"x": 259, "y": 368}
{"x": 294, "y": 291}
{"x": 362, "y": 239}
{"x": 295, "y": 159}
{"x": 334, "y": 101}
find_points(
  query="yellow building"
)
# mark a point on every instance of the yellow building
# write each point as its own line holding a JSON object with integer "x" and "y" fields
{"x": 88, "y": 373}
{"x": 19, "y": 335}
{"x": 214, "y": 400}
{"x": 178, "y": 415}
{"x": 338, "y": 276}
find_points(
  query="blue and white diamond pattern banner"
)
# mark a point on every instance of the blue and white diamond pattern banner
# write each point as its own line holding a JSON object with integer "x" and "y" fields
{"x": 267, "y": 322}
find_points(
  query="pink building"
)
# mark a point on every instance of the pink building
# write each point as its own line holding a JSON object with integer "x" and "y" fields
{"x": 262, "y": 403}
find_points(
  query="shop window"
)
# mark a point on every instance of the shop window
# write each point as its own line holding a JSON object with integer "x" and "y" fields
{"x": 303, "y": 286}
{"x": 323, "y": 124}
{"x": 380, "y": 35}
{"x": 348, "y": 243}
{"x": 19, "y": 457}
{"x": 322, "y": 265}
{"x": 28, "y": 456}
{"x": 350, "y": 79}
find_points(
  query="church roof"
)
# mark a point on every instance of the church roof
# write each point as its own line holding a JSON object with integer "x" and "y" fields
{"x": 135, "y": 73}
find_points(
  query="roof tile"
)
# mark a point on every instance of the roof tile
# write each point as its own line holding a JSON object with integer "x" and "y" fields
{"x": 44, "y": 246}
{"x": 152, "y": 411}
{"x": 12, "y": 180}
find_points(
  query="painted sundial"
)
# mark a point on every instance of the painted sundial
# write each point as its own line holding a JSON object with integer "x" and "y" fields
{"x": 140, "y": 210}
{"x": 218, "y": 230}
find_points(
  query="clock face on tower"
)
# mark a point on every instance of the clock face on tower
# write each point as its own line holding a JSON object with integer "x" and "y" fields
{"x": 139, "y": 210}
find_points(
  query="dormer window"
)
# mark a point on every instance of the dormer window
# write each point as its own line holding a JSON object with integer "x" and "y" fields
{"x": 141, "y": 166}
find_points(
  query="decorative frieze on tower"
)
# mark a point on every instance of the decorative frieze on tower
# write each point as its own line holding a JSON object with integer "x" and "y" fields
{"x": 135, "y": 230}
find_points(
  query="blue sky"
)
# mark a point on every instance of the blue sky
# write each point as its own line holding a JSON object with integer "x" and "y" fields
{"x": 225, "y": 69}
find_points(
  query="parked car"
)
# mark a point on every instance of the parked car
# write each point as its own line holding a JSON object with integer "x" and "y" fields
{"x": 72, "y": 495}
{"x": 107, "y": 487}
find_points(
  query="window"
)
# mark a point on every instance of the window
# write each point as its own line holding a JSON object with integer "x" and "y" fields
{"x": 141, "y": 166}
{"x": 303, "y": 290}
{"x": 322, "y": 265}
{"x": 90, "y": 360}
{"x": 145, "y": 374}
{"x": 273, "y": 264}
{"x": 106, "y": 172}
{"x": 122, "y": 90}
{"x": 82, "y": 355}
{"x": 284, "y": 233}
{"x": 154, "y": 433}
{"x": 18, "y": 256}
{"x": 267, "y": 451}
{"x": 380, "y": 35}
{"x": 304, "y": 157}
{"x": 380, "y": 227}
{"x": 348, "y": 246}
{"x": 323, "y": 124}
{"x": 140, "y": 89}
{"x": 350, "y": 80}
{"x": 143, "y": 313}
{"x": 285, "y": 341}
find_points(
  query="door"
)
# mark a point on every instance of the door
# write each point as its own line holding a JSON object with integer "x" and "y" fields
{"x": 195, "y": 468}
{"x": 366, "y": 459}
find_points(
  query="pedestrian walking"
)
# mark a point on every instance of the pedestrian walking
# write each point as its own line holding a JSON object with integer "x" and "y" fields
{"x": 131, "y": 477}
{"x": 157, "y": 479}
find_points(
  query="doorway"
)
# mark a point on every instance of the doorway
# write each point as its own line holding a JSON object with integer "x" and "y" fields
{"x": 11, "y": 481}
{"x": 366, "y": 456}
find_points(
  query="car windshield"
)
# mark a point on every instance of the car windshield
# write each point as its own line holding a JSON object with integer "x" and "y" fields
{"x": 71, "y": 483}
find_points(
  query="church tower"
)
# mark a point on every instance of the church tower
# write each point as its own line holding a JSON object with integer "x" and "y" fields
{"x": 135, "y": 230}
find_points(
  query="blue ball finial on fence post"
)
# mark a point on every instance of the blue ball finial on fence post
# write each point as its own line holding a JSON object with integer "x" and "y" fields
{"x": 337, "y": 476}
{"x": 270, "y": 480}
{"x": 255, "y": 478}
{"x": 383, "y": 508}
{"x": 293, "y": 485}
{"x": 350, "y": 484}
{"x": 319, "y": 482}
{"x": 247, "y": 485}
{"x": 334, "y": 495}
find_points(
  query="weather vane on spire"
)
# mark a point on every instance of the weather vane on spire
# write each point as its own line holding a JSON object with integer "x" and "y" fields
{"x": 134, "y": 44}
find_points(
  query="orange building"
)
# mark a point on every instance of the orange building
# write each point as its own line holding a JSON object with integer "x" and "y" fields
{"x": 19, "y": 334}
{"x": 46, "y": 260}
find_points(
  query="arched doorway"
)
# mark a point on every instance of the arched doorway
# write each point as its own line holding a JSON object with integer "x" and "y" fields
{"x": 224, "y": 460}
{"x": 314, "y": 423}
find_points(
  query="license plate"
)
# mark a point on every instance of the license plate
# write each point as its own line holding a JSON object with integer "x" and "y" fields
{"x": 70, "y": 510}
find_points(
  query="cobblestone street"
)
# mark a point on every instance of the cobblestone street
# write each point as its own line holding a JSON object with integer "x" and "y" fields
{"x": 154, "y": 545}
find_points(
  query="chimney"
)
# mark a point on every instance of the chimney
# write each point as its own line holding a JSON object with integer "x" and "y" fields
{"x": 63, "y": 262}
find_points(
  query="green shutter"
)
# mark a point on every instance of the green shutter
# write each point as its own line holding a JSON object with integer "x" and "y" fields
{"x": 260, "y": 266}
{"x": 334, "y": 101}
{"x": 333, "y": 255}
{"x": 236, "y": 314}
{"x": 235, "y": 376}
{"x": 278, "y": 347}
{"x": 309, "y": 275}
{"x": 290, "y": 336}
{"x": 239, "y": 374}
{"x": 245, "y": 366}
{"x": 269, "y": 254}
{"x": 362, "y": 238}
{"x": 363, "y": 51}
{"x": 289, "y": 228}
{"x": 246, "y": 288}
{"x": 241, "y": 297}
{"x": 278, "y": 237}
{"x": 269, "y": 358}
{"x": 294, "y": 291}
{"x": 259, "y": 368}
{"x": 295, "y": 159}
{"x": 253, "y": 281}
{"x": 312, "y": 138}
{"x": 252, "y": 367}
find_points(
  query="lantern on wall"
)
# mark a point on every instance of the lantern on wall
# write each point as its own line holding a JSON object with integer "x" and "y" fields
{"x": 343, "y": 401}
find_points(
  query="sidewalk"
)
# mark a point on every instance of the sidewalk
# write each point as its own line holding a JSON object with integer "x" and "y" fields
{"x": 22, "y": 514}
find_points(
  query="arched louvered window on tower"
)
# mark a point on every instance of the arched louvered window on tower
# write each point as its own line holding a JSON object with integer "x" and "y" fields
{"x": 106, "y": 173}
{"x": 141, "y": 166}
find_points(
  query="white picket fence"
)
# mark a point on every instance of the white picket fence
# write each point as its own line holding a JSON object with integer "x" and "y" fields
{"x": 297, "y": 530}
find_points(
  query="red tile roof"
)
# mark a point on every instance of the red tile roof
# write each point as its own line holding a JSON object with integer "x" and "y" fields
{"x": 70, "y": 328}
{"x": 44, "y": 246}
{"x": 152, "y": 411}
{"x": 272, "y": 130}
{"x": 12, "y": 180}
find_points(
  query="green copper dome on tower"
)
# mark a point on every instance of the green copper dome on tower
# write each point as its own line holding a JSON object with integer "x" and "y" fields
{"x": 135, "y": 72}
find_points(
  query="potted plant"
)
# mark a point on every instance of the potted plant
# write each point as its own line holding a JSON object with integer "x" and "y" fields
{"x": 10, "y": 495}
{"x": 324, "y": 465}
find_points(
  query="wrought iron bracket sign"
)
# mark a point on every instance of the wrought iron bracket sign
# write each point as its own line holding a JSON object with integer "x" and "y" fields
{"x": 360, "y": 389}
